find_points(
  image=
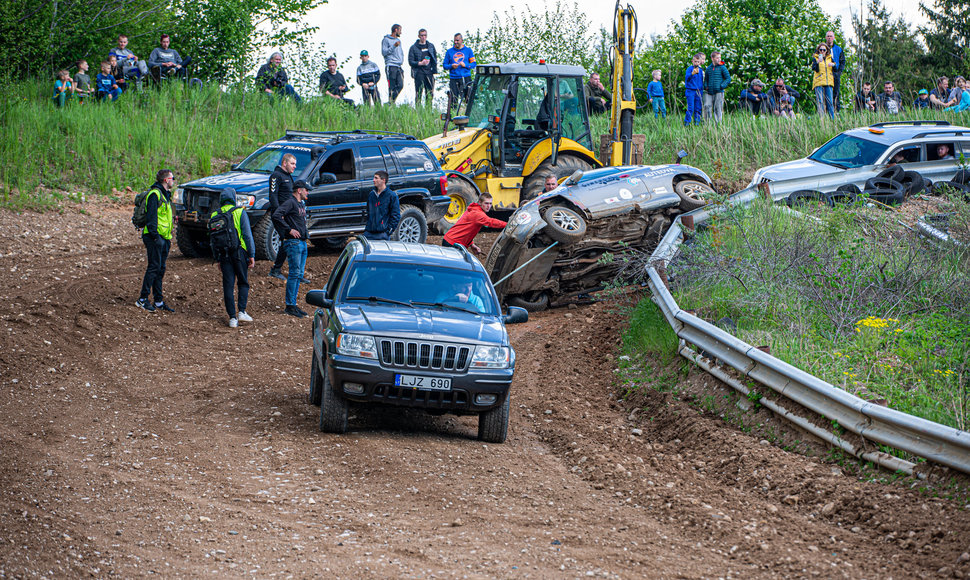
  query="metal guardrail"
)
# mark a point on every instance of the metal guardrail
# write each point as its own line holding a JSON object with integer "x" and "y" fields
{"x": 919, "y": 437}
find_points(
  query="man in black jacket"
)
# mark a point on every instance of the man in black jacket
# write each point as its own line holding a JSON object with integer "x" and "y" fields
{"x": 332, "y": 83}
{"x": 383, "y": 209}
{"x": 423, "y": 59}
{"x": 157, "y": 237}
{"x": 280, "y": 190}
{"x": 290, "y": 218}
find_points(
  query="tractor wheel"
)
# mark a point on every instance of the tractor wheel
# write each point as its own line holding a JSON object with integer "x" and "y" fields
{"x": 462, "y": 195}
{"x": 565, "y": 166}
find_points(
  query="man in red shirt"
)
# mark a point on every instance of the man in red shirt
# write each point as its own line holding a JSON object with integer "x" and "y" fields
{"x": 469, "y": 224}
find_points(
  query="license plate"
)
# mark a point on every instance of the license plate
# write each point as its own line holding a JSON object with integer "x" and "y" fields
{"x": 420, "y": 382}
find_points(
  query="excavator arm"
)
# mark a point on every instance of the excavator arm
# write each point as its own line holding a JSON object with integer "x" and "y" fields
{"x": 624, "y": 104}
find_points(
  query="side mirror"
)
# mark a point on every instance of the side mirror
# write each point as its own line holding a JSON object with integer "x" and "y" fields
{"x": 234, "y": 167}
{"x": 680, "y": 155}
{"x": 515, "y": 315}
{"x": 460, "y": 122}
{"x": 326, "y": 178}
{"x": 319, "y": 299}
{"x": 574, "y": 178}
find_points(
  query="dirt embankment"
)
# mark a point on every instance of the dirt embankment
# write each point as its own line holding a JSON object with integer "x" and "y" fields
{"x": 136, "y": 444}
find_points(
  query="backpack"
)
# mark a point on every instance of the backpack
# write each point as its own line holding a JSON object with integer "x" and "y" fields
{"x": 223, "y": 237}
{"x": 139, "y": 217}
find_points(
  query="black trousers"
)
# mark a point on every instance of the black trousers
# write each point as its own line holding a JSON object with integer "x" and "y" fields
{"x": 457, "y": 87}
{"x": 423, "y": 83}
{"x": 395, "y": 82}
{"x": 836, "y": 102}
{"x": 280, "y": 254}
{"x": 157, "y": 248}
{"x": 235, "y": 270}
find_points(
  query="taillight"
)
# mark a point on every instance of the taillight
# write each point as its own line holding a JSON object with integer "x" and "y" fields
{"x": 444, "y": 185}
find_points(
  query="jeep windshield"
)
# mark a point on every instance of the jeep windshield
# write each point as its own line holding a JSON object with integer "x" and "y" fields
{"x": 848, "y": 152}
{"x": 267, "y": 158}
{"x": 395, "y": 284}
{"x": 488, "y": 99}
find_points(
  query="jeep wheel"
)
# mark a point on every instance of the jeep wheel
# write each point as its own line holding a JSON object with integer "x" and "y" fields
{"x": 267, "y": 240}
{"x": 533, "y": 301}
{"x": 191, "y": 244}
{"x": 493, "y": 426}
{"x": 335, "y": 243}
{"x": 462, "y": 195}
{"x": 565, "y": 166}
{"x": 333, "y": 407}
{"x": 693, "y": 194}
{"x": 316, "y": 381}
{"x": 565, "y": 226}
{"x": 413, "y": 227}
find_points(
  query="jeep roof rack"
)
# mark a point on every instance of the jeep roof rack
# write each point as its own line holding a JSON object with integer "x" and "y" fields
{"x": 464, "y": 253}
{"x": 339, "y": 136}
{"x": 954, "y": 132}
{"x": 911, "y": 123}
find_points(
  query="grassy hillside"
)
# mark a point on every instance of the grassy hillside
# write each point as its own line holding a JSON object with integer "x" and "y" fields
{"x": 48, "y": 154}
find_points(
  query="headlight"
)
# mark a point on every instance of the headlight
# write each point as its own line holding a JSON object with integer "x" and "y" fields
{"x": 490, "y": 357}
{"x": 179, "y": 196}
{"x": 243, "y": 200}
{"x": 357, "y": 345}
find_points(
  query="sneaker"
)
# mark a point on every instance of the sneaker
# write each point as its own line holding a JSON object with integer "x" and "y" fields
{"x": 301, "y": 311}
{"x": 304, "y": 281}
{"x": 243, "y": 317}
{"x": 233, "y": 323}
{"x": 145, "y": 304}
{"x": 274, "y": 273}
{"x": 294, "y": 311}
{"x": 163, "y": 306}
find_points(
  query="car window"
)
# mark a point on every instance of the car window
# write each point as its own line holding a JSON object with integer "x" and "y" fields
{"x": 413, "y": 158}
{"x": 907, "y": 154}
{"x": 940, "y": 150}
{"x": 428, "y": 284}
{"x": 963, "y": 147}
{"x": 847, "y": 151}
{"x": 265, "y": 159}
{"x": 340, "y": 163}
{"x": 338, "y": 272}
{"x": 371, "y": 161}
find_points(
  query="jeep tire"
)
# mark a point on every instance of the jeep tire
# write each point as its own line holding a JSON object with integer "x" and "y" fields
{"x": 191, "y": 244}
{"x": 267, "y": 240}
{"x": 316, "y": 381}
{"x": 413, "y": 226}
{"x": 334, "y": 409}
{"x": 493, "y": 426}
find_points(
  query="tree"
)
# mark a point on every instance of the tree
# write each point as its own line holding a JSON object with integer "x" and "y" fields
{"x": 763, "y": 39}
{"x": 947, "y": 35}
{"x": 887, "y": 51}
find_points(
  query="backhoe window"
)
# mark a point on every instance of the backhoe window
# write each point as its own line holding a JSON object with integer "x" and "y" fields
{"x": 488, "y": 99}
{"x": 572, "y": 102}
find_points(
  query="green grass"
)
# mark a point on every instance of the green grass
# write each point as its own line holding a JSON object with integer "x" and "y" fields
{"x": 49, "y": 154}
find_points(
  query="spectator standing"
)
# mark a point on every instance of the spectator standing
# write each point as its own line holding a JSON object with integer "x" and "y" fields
{"x": 235, "y": 264}
{"x": 838, "y": 59}
{"x": 755, "y": 99}
{"x": 107, "y": 86}
{"x": 597, "y": 97}
{"x": 693, "y": 85}
{"x": 157, "y": 237}
{"x": 63, "y": 88}
{"x": 393, "y": 61}
{"x": 368, "y": 74}
{"x": 280, "y": 190}
{"x": 290, "y": 218}
{"x": 130, "y": 64}
{"x": 473, "y": 220}
{"x": 459, "y": 62}
{"x": 165, "y": 62}
{"x": 823, "y": 80}
{"x": 890, "y": 101}
{"x": 716, "y": 79}
{"x": 333, "y": 84}
{"x": 82, "y": 81}
{"x": 940, "y": 96}
{"x": 272, "y": 78}
{"x": 423, "y": 59}
{"x": 383, "y": 209}
{"x": 922, "y": 100}
{"x": 865, "y": 100}
{"x": 655, "y": 95}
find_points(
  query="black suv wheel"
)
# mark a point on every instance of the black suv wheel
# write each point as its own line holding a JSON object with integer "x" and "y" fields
{"x": 413, "y": 226}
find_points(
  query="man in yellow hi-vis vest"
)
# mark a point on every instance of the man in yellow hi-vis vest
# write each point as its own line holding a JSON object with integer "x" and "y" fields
{"x": 157, "y": 237}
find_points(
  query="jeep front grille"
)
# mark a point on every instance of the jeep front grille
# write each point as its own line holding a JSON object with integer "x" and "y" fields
{"x": 201, "y": 200}
{"x": 424, "y": 355}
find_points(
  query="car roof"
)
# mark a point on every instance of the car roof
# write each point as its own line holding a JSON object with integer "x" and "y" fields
{"x": 327, "y": 138}
{"x": 518, "y": 68}
{"x": 889, "y": 133}
{"x": 416, "y": 254}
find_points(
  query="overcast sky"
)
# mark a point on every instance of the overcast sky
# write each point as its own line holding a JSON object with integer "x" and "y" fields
{"x": 348, "y": 26}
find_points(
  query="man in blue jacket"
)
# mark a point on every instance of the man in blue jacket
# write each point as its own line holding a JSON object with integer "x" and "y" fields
{"x": 693, "y": 85}
{"x": 459, "y": 62}
{"x": 716, "y": 79}
{"x": 838, "y": 57}
{"x": 383, "y": 209}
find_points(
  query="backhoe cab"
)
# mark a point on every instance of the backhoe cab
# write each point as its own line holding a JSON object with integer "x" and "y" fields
{"x": 521, "y": 123}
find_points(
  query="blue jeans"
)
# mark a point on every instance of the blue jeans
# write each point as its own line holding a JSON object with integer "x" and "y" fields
{"x": 823, "y": 101}
{"x": 659, "y": 107}
{"x": 296, "y": 255}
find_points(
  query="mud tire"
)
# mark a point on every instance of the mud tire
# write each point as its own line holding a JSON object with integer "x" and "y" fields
{"x": 566, "y": 165}
{"x": 267, "y": 241}
{"x": 316, "y": 382}
{"x": 189, "y": 243}
{"x": 462, "y": 195}
{"x": 334, "y": 409}
{"x": 493, "y": 426}
{"x": 533, "y": 302}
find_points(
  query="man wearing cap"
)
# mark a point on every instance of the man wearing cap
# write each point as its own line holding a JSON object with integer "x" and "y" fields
{"x": 922, "y": 100}
{"x": 383, "y": 209}
{"x": 290, "y": 218}
{"x": 393, "y": 61}
{"x": 236, "y": 264}
{"x": 755, "y": 99}
{"x": 368, "y": 73}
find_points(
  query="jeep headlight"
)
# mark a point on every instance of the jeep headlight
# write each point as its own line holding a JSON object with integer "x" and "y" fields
{"x": 243, "y": 200}
{"x": 179, "y": 197}
{"x": 357, "y": 345}
{"x": 490, "y": 357}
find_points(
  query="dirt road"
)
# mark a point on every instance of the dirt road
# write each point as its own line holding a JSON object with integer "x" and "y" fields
{"x": 136, "y": 444}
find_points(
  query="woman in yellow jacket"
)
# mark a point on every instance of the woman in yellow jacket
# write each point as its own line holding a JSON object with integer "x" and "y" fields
{"x": 824, "y": 80}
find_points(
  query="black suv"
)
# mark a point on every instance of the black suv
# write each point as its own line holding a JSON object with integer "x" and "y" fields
{"x": 339, "y": 166}
{"x": 411, "y": 325}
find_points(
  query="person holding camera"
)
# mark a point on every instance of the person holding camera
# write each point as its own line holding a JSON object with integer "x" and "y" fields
{"x": 823, "y": 81}
{"x": 272, "y": 79}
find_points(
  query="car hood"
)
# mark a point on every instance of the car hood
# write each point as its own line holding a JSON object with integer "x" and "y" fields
{"x": 796, "y": 169}
{"x": 241, "y": 181}
{"x": 422, "y": 323}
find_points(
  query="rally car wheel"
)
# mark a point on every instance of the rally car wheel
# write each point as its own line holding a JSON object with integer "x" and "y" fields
{"x": 693, "y": 194}
{"x": 564, "y": 225}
